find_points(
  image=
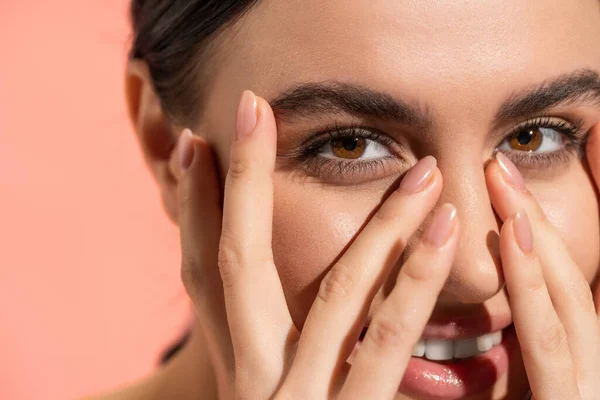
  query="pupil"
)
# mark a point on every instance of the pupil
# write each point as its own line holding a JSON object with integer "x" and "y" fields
{"x": 524, "y": 137}
{"x": 350, "y": 144}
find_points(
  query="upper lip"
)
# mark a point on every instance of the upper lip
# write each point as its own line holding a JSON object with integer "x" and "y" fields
{"x": 464, "y": 326}
{"x": 460, "y": 326}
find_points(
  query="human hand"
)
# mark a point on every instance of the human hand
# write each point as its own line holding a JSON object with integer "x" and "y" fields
{"x": 257, "y": 351}
{"x": 593, "y": 160}
{"x": 551, "y": 301}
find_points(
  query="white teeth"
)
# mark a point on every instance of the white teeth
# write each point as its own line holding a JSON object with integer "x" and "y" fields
{"x": 419, "y": 350}
{"x": 464, "y": 348}
{"x": 445, "y": 349}
{"x": 439, "y": 349}
{"x": 497, "y": 338}
{"x": 485, "y": 342}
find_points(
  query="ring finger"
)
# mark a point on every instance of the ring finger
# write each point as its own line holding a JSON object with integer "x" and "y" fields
{"x": 541, "y": 335}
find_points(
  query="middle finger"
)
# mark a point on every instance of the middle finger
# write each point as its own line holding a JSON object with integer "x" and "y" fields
{"x": 337, "y": 314}
{"x": 541, "y": 335}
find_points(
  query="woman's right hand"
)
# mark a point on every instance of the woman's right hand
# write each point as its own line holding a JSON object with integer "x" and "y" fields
{"x": 256, "y": 349}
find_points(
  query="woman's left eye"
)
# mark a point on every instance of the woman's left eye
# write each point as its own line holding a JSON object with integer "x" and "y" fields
{"x": 353, "y": 148}
{"x": 533, "y": 140}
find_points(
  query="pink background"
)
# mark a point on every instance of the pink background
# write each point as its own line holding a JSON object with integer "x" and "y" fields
{"x": 89, "y": 263}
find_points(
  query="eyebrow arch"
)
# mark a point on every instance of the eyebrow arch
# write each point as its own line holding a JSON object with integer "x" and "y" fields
{"x": 582, "y": 85}
{"x": 308, "y": 99}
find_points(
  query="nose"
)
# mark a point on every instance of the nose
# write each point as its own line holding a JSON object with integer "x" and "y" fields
{"x": 476, "y": 273}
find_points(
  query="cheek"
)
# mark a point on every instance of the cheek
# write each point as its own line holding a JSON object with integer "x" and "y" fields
{"x": 571, "y": 205}
{"x": 311, "y": 227}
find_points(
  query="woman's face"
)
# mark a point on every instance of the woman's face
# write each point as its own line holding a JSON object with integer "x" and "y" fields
{"x": 408, "y": 79}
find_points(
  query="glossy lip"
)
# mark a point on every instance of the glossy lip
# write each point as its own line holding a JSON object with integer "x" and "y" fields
{"x": 455, "y": 379}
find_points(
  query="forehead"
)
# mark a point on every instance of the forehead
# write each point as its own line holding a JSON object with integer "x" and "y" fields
{"x": 412, "y": 44}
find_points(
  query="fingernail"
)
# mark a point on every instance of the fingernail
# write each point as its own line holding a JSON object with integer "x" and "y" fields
{"x": 185, "y": 149}
{"x": 442, "y": 226}
{"x": 510, "y": 173}
{"x": 419, "y": 175}
{"x": 523, "y": 234}
{"x": 246, "y": 115}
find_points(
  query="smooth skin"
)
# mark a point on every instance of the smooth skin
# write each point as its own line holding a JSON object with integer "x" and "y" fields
{"x": 560, "y": 341}
{"x": 264, "y": 343}
{"x": 460, "y": 61}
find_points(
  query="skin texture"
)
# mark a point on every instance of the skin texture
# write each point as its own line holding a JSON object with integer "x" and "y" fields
{"x": 459, "y": 61}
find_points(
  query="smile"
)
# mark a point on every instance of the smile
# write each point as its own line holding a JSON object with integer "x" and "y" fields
{"x": 447, "y": 349}
{"x": 457, "y": 356}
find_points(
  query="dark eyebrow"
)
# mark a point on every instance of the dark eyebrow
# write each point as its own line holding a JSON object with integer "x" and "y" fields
{"x": 582, "y": 85}
{"x": 307, "y": 100}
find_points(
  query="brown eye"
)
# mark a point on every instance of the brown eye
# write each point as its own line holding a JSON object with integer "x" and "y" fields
{"x": 526, "y": 140}
{"x": 349, "y": 147}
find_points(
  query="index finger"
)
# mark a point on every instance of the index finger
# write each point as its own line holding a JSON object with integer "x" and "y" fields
{"x": 250, "y": 279}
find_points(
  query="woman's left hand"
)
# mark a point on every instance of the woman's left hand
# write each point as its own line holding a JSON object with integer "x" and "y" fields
{"x": 551, "y": 301}
{"x": 593, "y": 159}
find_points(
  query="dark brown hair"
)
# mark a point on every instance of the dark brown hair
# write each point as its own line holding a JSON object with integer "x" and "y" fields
{"x": 172, "y": 37}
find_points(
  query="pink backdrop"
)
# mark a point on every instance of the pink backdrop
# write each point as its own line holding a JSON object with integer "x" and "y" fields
{"x": 89, "y": 280}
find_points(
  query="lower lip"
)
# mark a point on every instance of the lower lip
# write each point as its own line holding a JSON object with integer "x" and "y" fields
{"x": 456, "y": 379}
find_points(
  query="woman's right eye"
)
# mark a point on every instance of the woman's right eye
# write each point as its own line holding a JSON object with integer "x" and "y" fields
{"x": 350, "y": 155}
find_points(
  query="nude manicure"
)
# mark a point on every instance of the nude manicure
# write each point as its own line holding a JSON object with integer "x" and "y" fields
{"x": 246, "y": 115}
{"x": 419, "y": 175}
{"x": 523, "y": 234}
{"x": 510, "y": 172}
{"x": 442, "y": 226}
{"x": 185, "y": 149}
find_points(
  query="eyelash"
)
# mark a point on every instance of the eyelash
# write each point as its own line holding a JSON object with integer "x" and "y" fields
{"x": 307, "y": 154}
{"x": 308, "y": 151}
{"x": 575, "y": 142}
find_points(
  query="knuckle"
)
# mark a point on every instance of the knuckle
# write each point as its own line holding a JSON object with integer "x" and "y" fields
{"x": 337, "y": 284}
{"x": 186, "y": 197}
{"x": 238, "y": 167}
{"x": 417, "y": 274}
{"x": 230, "y": 258}
{"x": 552, "y": 340}
{"x": 533, "y": 282}
{"x": 581, "y": 292}
{"x": 191, "y": 275}
{"x": 389, "y": 333}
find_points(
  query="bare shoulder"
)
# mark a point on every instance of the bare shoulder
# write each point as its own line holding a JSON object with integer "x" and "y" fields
{"x": 188, "y": 376}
